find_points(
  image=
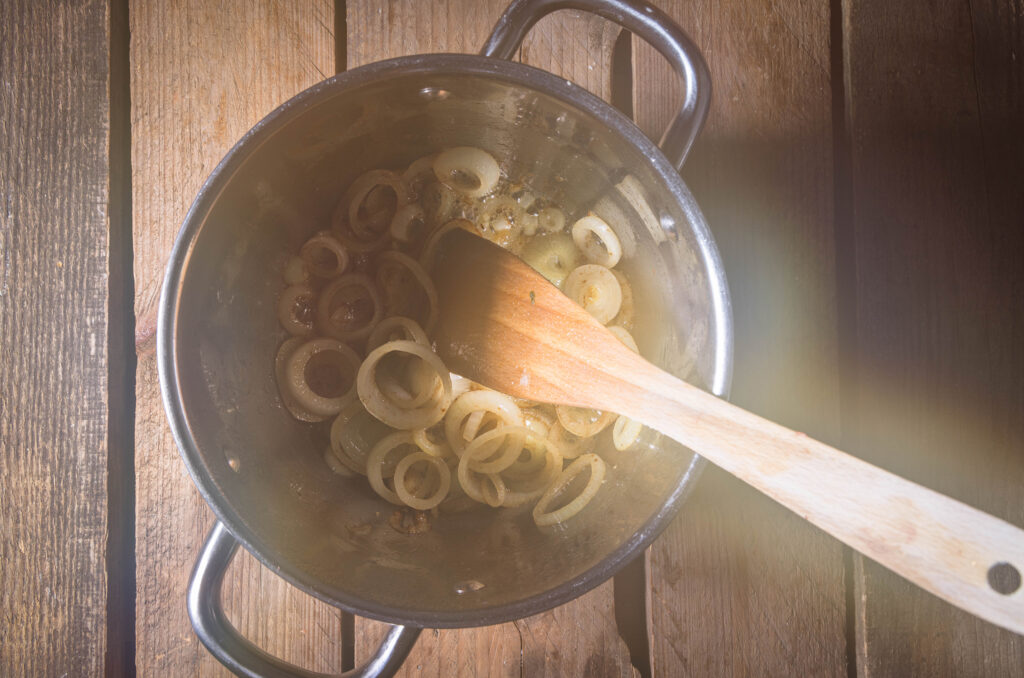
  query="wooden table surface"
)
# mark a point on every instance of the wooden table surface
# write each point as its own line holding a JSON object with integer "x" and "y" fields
{"x": 862, "y": 170}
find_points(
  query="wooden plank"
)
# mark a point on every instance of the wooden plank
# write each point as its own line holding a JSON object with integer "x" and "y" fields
{"x": 579, "y": 638}
{"x": 54, "y": 220}
{"x": 121, "y": 385}
{"x": 202, "y": 74}
{"x": 937, "y": 163}
{"x": 739, "y": 585}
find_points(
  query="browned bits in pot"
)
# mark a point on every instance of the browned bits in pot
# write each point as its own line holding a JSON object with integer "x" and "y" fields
{"x": 409, "y": 521}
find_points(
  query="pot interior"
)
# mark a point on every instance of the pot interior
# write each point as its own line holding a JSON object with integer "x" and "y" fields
{"x": 264, "y": 471}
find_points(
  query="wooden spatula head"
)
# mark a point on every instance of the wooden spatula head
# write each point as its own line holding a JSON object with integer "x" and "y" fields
{"x": 504, "y": 325}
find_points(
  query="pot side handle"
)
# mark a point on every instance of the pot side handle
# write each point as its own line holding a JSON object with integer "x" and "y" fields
{"x": 643, "y": 20}
{"x": 241, "y": 656}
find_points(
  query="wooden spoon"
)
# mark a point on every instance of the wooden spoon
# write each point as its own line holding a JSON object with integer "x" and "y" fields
{"x": 503, "y": 325}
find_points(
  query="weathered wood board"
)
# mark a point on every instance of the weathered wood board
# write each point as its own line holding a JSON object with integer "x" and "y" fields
{"x": 934, "y": 106}
{"x": 54, "y": 246}
{"x": 740, "y": 585}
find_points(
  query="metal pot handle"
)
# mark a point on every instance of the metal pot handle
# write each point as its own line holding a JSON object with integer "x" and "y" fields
{"x": 240, "y": 655}
{"x": 644, "y": 20}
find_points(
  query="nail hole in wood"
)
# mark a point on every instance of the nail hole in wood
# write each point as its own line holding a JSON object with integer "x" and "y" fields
{"x": 1004, "y": 578}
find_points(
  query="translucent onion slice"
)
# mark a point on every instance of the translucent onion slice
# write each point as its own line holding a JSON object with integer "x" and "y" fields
{"x": 554, "y": 256}
{"x": 396, "y": 328}
{"x": 625, "y": 337}
{"x": 524, "y": 486}
{"x": 582, "y": 422}
{"x": 287, "y": 399}
{"x": 532, "y": 460}
{"x": 324, "y": 256}
{"x": 597, "y": 241}
{"x": 499, "y": 405}
{"x": 571, "y": 446}
{"x": 469, "y": 170}
{"x": 418, "y": 385}
{"x": 394, "y": 273}
{"x": 537, "y": 420}
{"x": 460, "y": 385}
{"x": 377, "y": 466}
{"x": 367, "y": 221}
{"x": 596, "y": 289}
{"x": 485, "y": 488}
{"x": 551, "y": 220}
{"x": 430, "y": 248}
{"x": 483, "y": 457}
{"x": 431, "y": 440}
{"x": 296, "y": 310}
{"x": 502, "y": 220}
{"x": 625, "y": 432}
{"x": 529, "y": 223}
{"x": 343, "y": 234}
{"x": 439, "y": 201}
{"x": 349, "y": 307}
{"x": 472, "y": 425}
{"x": 337, "y": 355}
{"x": 435, "y": 466}
{"x": 543, "y": 517}
{"x": 418, "y": 174}
{"x": 408, "y": 224}
{"x": 387, "y": 409}
{"x": 354, "y": 432}
{"x": 525, "y": 199}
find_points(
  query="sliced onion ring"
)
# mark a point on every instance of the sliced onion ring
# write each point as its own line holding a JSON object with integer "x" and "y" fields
{"x": 483, "y": 458}
{"x": 582, "y": 422}
{"x": 419, "y": 275}
{"x": 543, "y": 517}
{"x": 440, "y": 492}
{"x": 395, "y": 328}
{"x": 361, "y": 189}
{"x": 596, "y": 289}
{"x": 326, "y": 307}
{"x": 375, "y": 463}
{"x": 469, "y": 170}
{"x": 324, "y": 256}
{"x": 597, "y": 241}
{"x": 625, "y": 432}
{"x": 298, "y": 386}
{"x": 387, "y": 410}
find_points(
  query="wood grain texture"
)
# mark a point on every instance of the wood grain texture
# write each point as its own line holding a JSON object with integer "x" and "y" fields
{"x": 936, "y": 96}
{"x": 54, "y": 200}
{"x": 739, "y": 585}
{"x": 202, "y": 73}
{"x": 579, "y": 638}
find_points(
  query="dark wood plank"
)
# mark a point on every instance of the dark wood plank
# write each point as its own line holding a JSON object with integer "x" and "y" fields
{"x": 121, "y": 385}
{"x": 54, "y": 200}
{"x": 739, "y": 585}
{"x": 202, "y": 74}
{"x": 579, "y": 638}
{"x": 936, "y": 98}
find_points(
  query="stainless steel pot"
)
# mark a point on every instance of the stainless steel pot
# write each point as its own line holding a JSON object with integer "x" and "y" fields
{"x": 262, "y": 472}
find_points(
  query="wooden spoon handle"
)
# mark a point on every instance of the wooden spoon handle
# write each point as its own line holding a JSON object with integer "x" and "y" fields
{"x": 965, "y": 556}
{"x": 505, "y": 326}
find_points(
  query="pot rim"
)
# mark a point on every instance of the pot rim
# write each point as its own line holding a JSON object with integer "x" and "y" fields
{"x": 170, "y": 299}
